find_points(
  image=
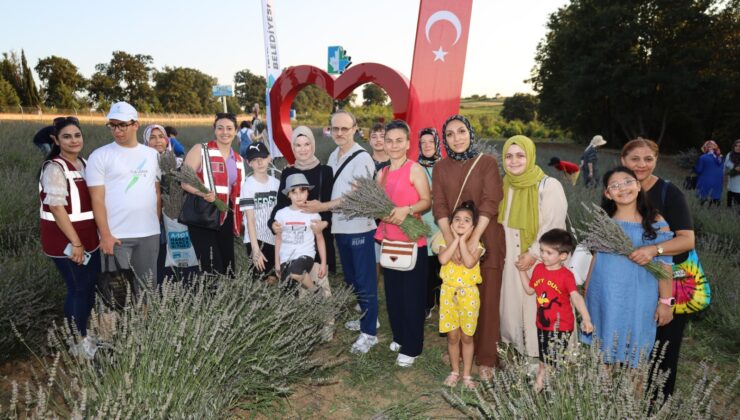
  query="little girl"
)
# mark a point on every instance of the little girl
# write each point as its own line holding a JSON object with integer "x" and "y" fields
{"x": 459, "y": 298}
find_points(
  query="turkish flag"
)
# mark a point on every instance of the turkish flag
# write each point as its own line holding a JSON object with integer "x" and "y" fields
{"x": 438, "y": 66}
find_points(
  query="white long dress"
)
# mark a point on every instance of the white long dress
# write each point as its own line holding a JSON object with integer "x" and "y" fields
{"x": 519, "y": 310}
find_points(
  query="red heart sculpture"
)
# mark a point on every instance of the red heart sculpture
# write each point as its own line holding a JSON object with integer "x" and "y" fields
{"x": 293, "y": 79}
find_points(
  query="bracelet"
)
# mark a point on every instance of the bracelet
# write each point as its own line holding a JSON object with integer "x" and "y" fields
{"x": 77, "y": 246}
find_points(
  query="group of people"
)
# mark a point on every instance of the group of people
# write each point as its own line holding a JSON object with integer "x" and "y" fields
{"x": 711, "y": 168}
{"x": 494, "y": 262}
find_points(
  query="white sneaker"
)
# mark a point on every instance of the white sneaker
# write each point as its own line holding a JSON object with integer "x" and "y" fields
{"x": 354, "y": 325}
{"x": 404, "y": 361}
{"x": 394, "y": 347}
{"x": 364, "y": 343}
{"x": 88, "y": 347}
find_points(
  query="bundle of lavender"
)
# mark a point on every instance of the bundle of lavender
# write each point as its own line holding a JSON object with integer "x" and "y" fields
{"x": 188, "y": 175}
{"x": 172, "y": 193}
{"x": 603, "y": 234}
{"x": 367, "y": 199}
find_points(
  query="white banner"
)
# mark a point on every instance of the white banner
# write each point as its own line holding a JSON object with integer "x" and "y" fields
{"x": 272, "y": 62}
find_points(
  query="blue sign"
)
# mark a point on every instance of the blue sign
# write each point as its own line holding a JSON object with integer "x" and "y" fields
{"x": 338, "y": 60}
{"x": 222, "y": 90}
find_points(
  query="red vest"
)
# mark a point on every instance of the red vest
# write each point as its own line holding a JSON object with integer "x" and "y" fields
{"x": 221, "y": 179}
{"x": 79, "y": 209}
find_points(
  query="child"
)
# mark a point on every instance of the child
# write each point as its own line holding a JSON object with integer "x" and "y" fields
{"x": 555, "y": 288}
{"x": 459, "y": 298}
{"x": 299, "y": 231}
{"x": 570, "y": 170}
{"x": 258, "y": 197}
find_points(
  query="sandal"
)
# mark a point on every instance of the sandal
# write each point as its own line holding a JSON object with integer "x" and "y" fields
{"x": 469, "y": 383}
{"x": 452, "y": 379}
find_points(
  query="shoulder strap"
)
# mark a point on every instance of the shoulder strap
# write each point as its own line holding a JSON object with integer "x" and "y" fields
{"x": 207, "y": 169}
{"x": 344, "y": 165}
{"x": 466, "y": 180}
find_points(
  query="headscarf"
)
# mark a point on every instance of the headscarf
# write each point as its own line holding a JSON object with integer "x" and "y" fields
{"x": 525, "y": 209}
{"x": 423, "y": 160}
{"x": 735, "y": 156}
{"x": 311, "y": 162}
{"x": 472, "y": 150}
{"x": 148, "y": 132}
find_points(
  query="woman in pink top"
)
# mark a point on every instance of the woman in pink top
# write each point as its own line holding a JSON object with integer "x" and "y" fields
{"x": 405, "y": 291}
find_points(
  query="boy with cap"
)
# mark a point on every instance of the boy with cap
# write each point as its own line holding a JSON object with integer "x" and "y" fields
{"x": 300, "y": 235}
{"x": 258, "y": 197}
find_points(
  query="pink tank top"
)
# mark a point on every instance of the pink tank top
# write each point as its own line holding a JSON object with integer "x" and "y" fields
{"x": 402, "y": 193}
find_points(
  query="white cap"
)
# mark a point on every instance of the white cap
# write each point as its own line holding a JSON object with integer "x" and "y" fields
{"x": 122, "y": 111}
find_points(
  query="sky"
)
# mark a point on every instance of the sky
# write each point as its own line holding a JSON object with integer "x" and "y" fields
{"x": 221, "y": 38}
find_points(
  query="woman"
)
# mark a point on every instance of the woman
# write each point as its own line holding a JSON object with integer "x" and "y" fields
{"x": 641, "y": 156}
{"x": 732, "y": 169}
{"x": 245, "y": 138}
{"x": 625, "y": 301}
{"x": 215, "y": 248}
{"x": 429, "y": 154}
{"x": 482, "y": 187}
{"x": 589, "y": 158}
{"x": 322, "y": 177}
{"x": 68, "y": 231}
{"x": 407, "y": 186}
{"x": 709, "y": 174}
{"x": 533, "y": 204}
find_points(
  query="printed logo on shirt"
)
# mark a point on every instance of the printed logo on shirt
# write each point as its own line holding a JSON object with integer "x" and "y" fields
{"x": 137, "y": 173}
{"x": 265, "y": 200}
{"x": 293, "y": 232}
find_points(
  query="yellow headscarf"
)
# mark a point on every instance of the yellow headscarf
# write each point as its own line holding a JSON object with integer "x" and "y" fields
{"x": 525, "y": 207}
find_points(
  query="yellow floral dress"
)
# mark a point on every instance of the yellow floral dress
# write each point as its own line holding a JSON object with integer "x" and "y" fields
{"x": 459, "y": 299}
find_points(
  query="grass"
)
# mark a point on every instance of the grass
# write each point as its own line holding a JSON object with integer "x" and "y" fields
{"x": 351, "y": 387}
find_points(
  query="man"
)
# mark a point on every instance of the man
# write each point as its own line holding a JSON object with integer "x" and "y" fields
{"x": 44, "y": 138}
{"x": 175, "y": 144}
{"x": 354, "y": 236}
{"x": 123, "y": 179}
{"x": 377, "y": 143}
{"x": 569, "y": 170}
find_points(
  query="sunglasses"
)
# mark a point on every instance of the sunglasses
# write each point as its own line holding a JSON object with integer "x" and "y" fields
{"x": 61, "y": 120}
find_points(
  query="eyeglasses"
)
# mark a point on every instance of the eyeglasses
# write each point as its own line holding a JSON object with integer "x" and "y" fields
{"x": 60, "y": 120}
{"x": 343, "y": 130}
{"x": 618, "y": 185}
{"x": 122, "y": 126}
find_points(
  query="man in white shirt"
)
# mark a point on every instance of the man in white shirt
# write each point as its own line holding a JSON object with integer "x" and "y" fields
{"x": 123, "y": 179}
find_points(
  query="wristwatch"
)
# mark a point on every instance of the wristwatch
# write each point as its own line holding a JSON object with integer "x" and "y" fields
{"x": 660, "y": 249}
{"x": 668, "y": 301}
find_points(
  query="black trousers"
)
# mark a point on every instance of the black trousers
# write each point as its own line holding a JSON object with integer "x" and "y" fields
{"x": 405, "y": 295}
{"x": 433, "y": 282}
{"x": 670, "y": 336}
{"x": 215, "y": 248}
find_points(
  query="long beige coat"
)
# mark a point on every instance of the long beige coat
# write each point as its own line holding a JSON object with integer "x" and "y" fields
{"x": 519, "y": 310}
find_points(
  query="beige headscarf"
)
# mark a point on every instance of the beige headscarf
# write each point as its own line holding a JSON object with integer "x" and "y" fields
{"x": 311, "y": 162}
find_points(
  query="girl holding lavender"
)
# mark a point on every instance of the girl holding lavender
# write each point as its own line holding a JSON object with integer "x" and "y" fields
{"x": 625, "y": 300}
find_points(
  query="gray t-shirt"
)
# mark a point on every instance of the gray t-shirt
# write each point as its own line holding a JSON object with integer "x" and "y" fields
{"x": 360, "y": 165}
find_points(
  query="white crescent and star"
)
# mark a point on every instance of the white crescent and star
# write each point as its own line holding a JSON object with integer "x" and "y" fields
{"x": 439, "y": 55}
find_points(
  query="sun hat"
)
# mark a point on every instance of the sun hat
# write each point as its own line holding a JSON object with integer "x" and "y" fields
{"x": 296, "y": 181}
{"x": 597, "y": 140}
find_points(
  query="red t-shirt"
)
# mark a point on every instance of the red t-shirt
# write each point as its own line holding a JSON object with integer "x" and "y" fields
{"x": 552, "y": 289}
{"x": 568, "y": 167}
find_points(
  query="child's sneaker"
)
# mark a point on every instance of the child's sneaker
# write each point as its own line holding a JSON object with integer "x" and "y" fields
{"x": 364, "y": 343}
{"x": 88, "y": 347}
{"x": 394, "y": 347}
{"x": 354, "y": 325}
{"x": 404, "y": 361}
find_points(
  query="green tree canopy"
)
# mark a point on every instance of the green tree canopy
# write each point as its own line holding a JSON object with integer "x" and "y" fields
{"x": 664, "y": 69}
{"x": 312, "y": 98}
{"x": 521, "y": 106}
{"x": 249, "y": 89}
{"x": 125, "y": 78}
{"x": 185, "y": 90}
{"x": 30, "y": 95}
{"x": 373, "y": 94}
{"x": 10, "y": 70}
{"x": 61, "y": 81}
{"x": 8, "y": 96}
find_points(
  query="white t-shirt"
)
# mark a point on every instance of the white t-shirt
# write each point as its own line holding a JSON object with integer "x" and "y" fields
{"x": 360, "y": 165}
{"x": 262, "y": 199}
{"x": 297, "y": 236}
{"x": 129, "y": 175}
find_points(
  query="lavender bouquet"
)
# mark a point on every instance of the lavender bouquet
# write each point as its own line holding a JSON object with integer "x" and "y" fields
{"x": 603, "y": 234}
{"x": 367, "y": 199}
{"x": 188, "y": 175}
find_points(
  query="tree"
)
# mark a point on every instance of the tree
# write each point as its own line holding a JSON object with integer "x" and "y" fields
{"x": 185, "y": 90}
{"x": 30, "y": 93}
{"x": 8, "y": 97}
{"x": 373, "y": 94}
{"x": 249, "y": 89}
{"x": 521, "y": 106}
{"x": 656, "y": 68}
{"x": 10, "y": 70}
{"x": 61, "y": 82}
{"x": 312, "y": 98}
{"x": 125, "y": 78}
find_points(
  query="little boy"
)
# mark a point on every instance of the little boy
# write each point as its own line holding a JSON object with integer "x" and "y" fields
{"x": 555, "y": 288}
{"x": 570, "y": 170}
{"x": 299, "y": 237}
{"x": 258, "y": 197}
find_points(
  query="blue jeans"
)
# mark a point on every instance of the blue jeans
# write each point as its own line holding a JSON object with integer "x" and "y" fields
{"x": 81, "y": 281}
{"x": 357, "y": 255}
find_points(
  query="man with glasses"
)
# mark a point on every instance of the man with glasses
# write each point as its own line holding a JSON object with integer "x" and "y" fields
{"x": 123, "y": 179}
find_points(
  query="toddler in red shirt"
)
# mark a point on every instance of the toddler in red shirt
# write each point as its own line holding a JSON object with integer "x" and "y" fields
{"x": 555, "y": 288}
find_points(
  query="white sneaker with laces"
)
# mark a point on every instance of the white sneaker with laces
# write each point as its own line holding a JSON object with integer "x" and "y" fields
{"x": 394, "y": 347}
{"x": 354, "y": 325}
{"x": 404, "y": 361}
{"x": 364, "y": 343}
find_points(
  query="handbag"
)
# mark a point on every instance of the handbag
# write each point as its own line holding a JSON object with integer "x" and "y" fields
{"x": 113, "y": 286}
{"x": 398, "y": 255}
{"x": 196, "y": 211}
{"x": 690, "y": 286}
{"x": 438, "y": 238}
